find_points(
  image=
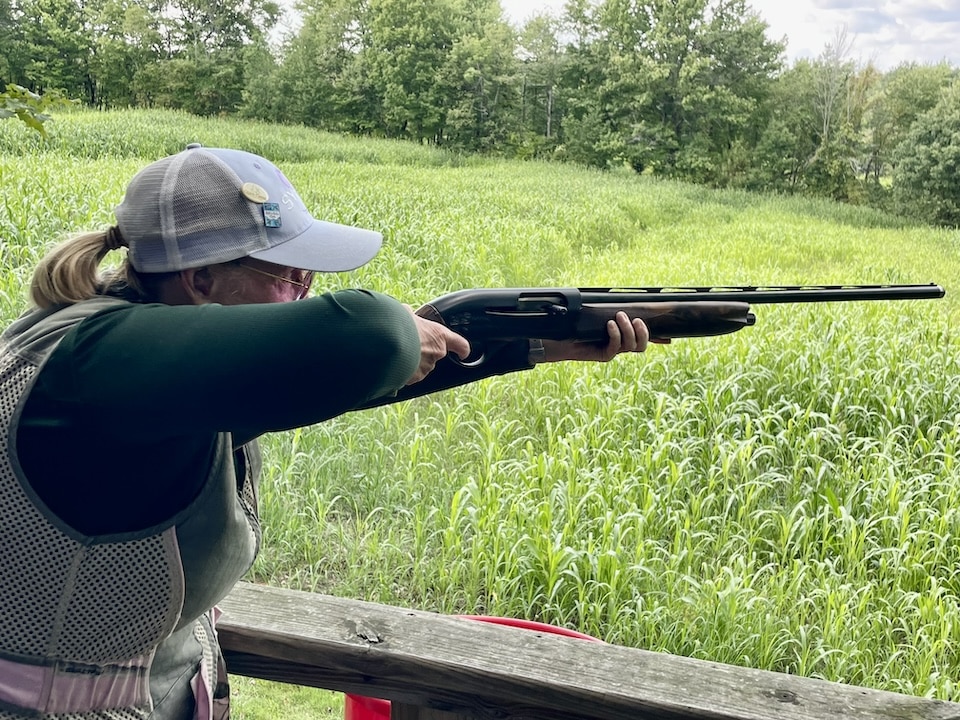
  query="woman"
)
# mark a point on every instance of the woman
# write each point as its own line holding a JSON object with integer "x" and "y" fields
{"x": 132, "y": 400}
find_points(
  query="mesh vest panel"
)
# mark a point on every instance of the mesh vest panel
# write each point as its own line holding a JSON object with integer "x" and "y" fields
{"x": 66, "y": 597}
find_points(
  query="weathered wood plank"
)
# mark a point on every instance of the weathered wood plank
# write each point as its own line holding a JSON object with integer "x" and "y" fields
{"x": 489, "y": 671}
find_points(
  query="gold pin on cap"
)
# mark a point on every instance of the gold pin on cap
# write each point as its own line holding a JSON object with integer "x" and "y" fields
{"x": 254, "y": 193}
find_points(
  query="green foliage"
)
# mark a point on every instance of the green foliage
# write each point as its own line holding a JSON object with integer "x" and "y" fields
{"x": 206, "y": 85}
{"x": 29, "y": 107}
{"x": 409, "y": 45}
{"x": 481, "y": 70}
{"x": 110, "y": 53}
{"x": 542, "y": 102}
{"x": 677, "y": 84}
{"x": 57, "y": 47}
{"x": 927, "y": 176}
{"x": 830, "y": 172}
{"x": 324, "y": 80}
{"x": 693, "y": 90}
{"x": 902, "y": 96}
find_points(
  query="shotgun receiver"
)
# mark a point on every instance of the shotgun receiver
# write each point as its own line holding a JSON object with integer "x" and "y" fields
{"x": 489, "y": 316}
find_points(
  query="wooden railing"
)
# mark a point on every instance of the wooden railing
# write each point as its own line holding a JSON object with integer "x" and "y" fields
{"x": 436, "y": 666}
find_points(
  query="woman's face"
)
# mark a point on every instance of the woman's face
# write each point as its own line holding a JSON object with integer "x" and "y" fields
{"x": 254, "y": 281}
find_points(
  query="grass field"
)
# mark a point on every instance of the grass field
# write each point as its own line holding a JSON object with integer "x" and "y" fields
{"x": 785, "y": 498}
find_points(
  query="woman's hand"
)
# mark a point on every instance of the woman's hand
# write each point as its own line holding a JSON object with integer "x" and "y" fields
{"x": 624, "y": 336}
{"x": 436, "y": 341}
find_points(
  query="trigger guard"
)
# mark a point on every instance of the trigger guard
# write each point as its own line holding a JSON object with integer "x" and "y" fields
{"x": 470, "y": 363}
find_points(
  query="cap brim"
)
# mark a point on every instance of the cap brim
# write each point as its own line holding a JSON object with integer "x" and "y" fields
{"x": 325, "y": 247}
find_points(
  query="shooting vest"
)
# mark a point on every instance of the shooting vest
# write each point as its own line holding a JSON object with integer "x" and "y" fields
{"x": 116, "y": 627}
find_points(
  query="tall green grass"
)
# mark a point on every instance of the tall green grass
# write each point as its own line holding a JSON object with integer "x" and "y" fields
{"x": 784, "y": 498}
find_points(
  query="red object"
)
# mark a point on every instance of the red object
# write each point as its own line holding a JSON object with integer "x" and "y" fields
{"x": 357, "y": 707}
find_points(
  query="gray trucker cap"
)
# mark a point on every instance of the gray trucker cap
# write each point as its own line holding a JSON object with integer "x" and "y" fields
{"x": 205, "y": 206}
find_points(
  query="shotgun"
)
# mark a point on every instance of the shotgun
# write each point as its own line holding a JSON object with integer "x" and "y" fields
{"x": 490, "y": 316}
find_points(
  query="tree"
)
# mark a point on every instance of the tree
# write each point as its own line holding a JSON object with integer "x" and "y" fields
{"x": 201, "y": 28}
{"x": 11, "y": 52}
{"x": 902, "y": 95}
{"x": 833, "y": 71}
{"x": 321, "y": 82}
{"x": 410, "y": 45}
{"x": 125, "y": 40}
{"x": 832, "y": 172}
{"x": 203, "y": 85}
{"x": 146, "y": 49}
{"x": 179, "y": 53}
{"x": 541, "y": 73}
{"x": 263, "y": 92}
{"x": 681, "y": 82}
{"x": 723, "y": 91}
{"x": 585, "y": 121}
{"x": 927, "y": 174}
{"x": 202, "y": 53}
{"x": 481, "y": 73}
{"x": 57, "y": 42}
{"x": 790, "y": 139}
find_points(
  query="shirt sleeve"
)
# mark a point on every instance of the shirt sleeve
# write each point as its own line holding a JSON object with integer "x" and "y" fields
{"x": 246, "y": 369}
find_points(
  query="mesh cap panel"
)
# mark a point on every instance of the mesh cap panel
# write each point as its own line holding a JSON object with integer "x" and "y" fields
{"x": 198, "y": 226}
{"x": 188, "y": 211}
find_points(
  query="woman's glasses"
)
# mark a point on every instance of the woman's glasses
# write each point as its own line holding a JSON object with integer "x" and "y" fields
{"x": 304, "y": 284}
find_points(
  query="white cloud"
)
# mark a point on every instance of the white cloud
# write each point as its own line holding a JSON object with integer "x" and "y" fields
{"x": 887, "y": 33}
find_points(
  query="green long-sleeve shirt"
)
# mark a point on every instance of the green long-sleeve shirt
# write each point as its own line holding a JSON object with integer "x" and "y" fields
{"x": 118, "y": 431}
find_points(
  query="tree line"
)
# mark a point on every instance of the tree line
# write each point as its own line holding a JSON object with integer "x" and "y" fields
{"x": 687, "y": 89}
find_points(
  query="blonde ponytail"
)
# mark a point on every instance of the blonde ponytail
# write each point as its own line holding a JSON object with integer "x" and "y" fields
{"x": 69, "y": 272}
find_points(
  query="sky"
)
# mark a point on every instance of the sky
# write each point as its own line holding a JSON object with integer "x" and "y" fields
{"x": 886, "y": 33}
